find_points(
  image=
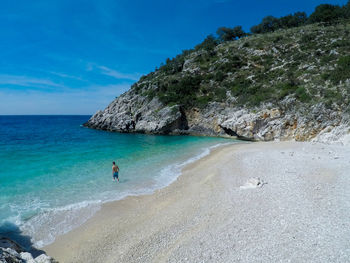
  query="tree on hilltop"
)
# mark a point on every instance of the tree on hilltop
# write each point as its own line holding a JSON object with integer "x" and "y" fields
{"x": 209, "y": 43}
{"x": 295, "y": 20}
{"x": 268, "y": 24}
{"x": 229, "y": 34}
{"x": 326, "y": 13}
{"x": 239, "y": 32}
{"x": 346, "y": 10}
{"x": 225, "y": 34}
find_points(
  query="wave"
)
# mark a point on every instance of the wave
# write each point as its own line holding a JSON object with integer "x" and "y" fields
{"x": 170, "y": 173}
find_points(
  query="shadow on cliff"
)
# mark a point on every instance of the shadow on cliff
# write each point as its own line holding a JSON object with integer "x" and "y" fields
{"x": 12, "y": 232}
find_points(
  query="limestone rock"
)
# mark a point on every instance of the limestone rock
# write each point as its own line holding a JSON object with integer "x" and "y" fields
{"x": 134, "y": 113}
{"x": 43, "y": 258}
{"x": 9, "y": 255}
{"x": 27, "y": 257}
{"x": 11, "y": 252}
{"x": 253, "y": 183}
{"x": 8, "y": 243}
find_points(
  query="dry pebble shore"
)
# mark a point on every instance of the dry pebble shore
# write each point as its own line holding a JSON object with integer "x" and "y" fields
{"x": 299, "y": 214}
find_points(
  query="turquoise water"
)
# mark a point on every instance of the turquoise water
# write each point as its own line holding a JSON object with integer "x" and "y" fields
{"x": 55, "y": 174}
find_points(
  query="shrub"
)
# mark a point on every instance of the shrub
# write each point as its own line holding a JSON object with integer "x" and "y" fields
{"x": 174, "y": 65}
{"x": 332, "y": 96}
{"x": 285, "y": 89}
{"x": 209, "y": 43}
{"x": 203, "y": 101}
{"x": 344, "y": 63}
{"x": 234, "y": 63}
{"x": 143, "y": 78}
{"x": 342, "y": 71}
{"x": 180, "y": 91}
{"x": 219, "y": 76}
{"x": 220, "y": 94}
{"x": 327, "y": 59}
{"x": 341, "y": 43}
{"x": 325, "y": 76}
{"x": 305, "y": 39}
{"x": 150, "y": 94}
{"x": 302, "y": 94}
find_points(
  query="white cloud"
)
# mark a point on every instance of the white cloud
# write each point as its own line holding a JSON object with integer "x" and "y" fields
{"x": 117, "y": 74}
{"x": 63, "y": 75}
{"x": 112, "y": 72}
{"x": 26, "y": 81}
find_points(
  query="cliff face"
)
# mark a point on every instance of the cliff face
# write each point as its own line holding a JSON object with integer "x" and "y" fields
{"x": 217, "y": 119}
{"x": 291, "y": 84}
{"x": 135, "y": 113}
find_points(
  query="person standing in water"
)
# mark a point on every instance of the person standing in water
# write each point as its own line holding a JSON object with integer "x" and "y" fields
{"x": 115, "y": 171}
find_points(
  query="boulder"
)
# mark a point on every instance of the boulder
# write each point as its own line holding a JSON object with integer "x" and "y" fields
{"x": 253, "y": 183}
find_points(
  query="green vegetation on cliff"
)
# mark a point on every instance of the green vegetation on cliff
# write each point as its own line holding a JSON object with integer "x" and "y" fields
{"x": 306, "y": 58}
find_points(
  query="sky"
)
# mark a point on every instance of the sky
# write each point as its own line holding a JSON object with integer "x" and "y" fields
{"x": 76, "y": 56}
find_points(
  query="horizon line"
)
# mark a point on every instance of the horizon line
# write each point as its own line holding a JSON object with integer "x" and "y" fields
{"x": 46, "y": 114}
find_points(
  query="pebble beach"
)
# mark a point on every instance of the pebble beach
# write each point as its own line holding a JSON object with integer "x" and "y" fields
{"x": 297, "y": 212}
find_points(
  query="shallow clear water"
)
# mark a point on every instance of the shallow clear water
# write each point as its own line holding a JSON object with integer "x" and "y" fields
{"x": 55, "y": 174}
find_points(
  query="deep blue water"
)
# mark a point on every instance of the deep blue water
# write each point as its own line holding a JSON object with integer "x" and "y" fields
{"x": 55, "y": 174}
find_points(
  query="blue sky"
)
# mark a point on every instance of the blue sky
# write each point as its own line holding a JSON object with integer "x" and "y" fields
{"x": 74, "y": 57}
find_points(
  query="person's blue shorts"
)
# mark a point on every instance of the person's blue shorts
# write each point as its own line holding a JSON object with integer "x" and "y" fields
{"x": 115, "y": 175}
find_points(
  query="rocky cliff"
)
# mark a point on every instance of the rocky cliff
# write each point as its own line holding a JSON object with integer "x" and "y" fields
{"x": 290, "y": 84}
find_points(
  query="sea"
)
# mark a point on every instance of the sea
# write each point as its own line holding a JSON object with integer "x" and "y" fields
{"x": 55, "y": 174}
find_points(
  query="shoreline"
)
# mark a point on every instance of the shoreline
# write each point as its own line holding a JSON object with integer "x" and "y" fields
{"x": 44, "y": 226}
{"x": 186, "y": 218}
{"x": 161, "y": 183}
{"x": 122, "y": 203}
